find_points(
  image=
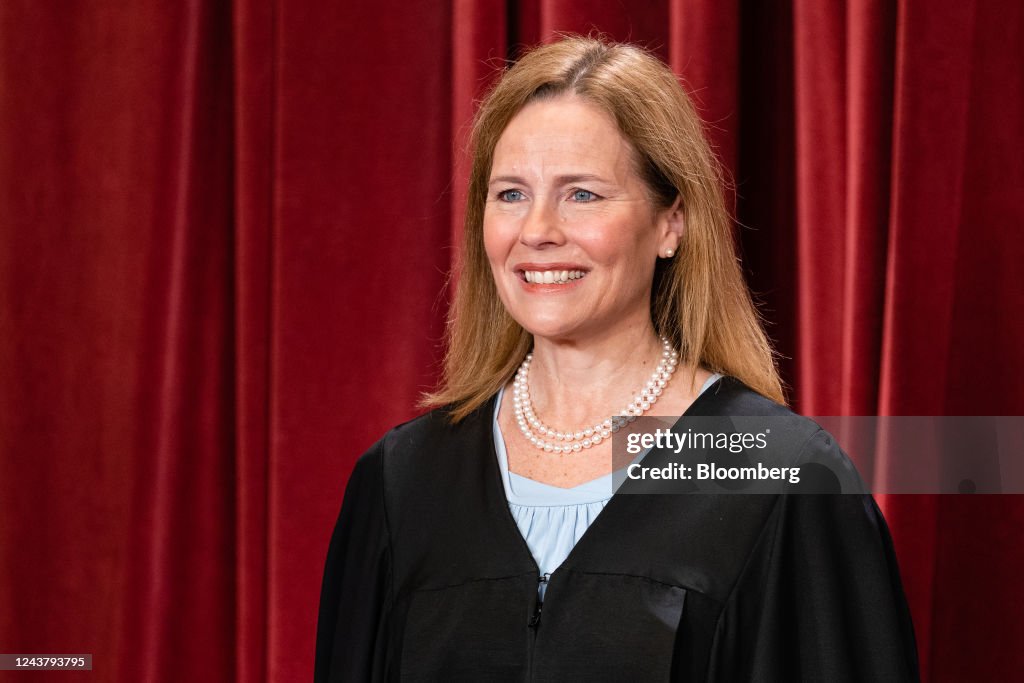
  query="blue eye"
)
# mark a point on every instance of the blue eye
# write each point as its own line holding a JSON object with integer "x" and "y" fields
{"x": 583, "y": 196}
{"x": 510, "y": 195}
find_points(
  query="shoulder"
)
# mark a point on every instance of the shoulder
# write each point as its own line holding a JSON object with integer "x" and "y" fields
{"x": 731, "y": 398}
{"x": 432, "y": 429}
{"x": 430, "y": 449}
{"x": 794, "y": 439}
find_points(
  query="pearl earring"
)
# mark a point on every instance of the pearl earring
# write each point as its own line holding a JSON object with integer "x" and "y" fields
{"x": 669, "y": 253}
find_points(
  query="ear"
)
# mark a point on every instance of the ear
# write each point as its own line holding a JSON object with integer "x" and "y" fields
{"x": 671, "y": 226}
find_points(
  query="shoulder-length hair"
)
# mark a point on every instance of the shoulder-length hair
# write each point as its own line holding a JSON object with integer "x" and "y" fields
{"x": 699, "y": 300}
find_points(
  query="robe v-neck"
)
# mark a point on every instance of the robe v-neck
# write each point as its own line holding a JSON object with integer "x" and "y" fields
{"x": 551, "y": 519}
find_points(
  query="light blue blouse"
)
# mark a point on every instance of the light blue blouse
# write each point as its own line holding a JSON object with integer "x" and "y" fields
{"x": 553, "y": 519}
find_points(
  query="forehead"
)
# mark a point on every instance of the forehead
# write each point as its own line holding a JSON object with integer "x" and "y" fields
{"x": 564, "y": 133}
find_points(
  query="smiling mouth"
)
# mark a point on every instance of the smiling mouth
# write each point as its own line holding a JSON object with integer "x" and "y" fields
{"x": 552, "y": 277}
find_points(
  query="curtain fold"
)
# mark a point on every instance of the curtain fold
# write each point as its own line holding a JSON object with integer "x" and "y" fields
{"x": 181, "y": 575}
{"x": 254, "y": 47}
{"x": 224, "y": 235}
{"x": 821, "y": 111}
{"x": 870, "y": 47}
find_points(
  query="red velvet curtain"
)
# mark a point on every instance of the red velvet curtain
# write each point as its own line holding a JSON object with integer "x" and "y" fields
{"x": 224, "y": 229}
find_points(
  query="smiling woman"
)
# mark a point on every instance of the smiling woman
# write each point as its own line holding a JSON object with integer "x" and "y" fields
{"x": 565, "y": 197}
{"x": 487, "y": 540}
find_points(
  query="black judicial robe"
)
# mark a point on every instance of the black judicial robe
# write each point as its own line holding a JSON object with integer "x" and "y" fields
{"x": 427, "y": 577}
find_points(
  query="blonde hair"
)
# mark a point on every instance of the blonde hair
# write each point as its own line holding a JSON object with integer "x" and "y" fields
{"x": 699, "y": 299}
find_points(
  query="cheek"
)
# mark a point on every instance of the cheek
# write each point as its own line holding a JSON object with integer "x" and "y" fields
{"x": 618, "y": 243}
{"x": 496, "y": 240}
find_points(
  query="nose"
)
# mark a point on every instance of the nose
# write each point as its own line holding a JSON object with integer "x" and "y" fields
{"x": 540, "y": 226}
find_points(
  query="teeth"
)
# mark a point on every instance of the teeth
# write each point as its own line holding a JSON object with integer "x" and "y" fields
{"x": 553, "y": 277}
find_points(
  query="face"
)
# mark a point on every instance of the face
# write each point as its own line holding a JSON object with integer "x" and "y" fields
{"x": 569, "y": 228}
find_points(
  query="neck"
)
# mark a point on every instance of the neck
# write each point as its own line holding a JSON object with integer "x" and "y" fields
{"x": 580, "y": 381}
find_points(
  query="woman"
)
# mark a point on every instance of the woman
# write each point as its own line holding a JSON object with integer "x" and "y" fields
{"x": 482, "y": 542}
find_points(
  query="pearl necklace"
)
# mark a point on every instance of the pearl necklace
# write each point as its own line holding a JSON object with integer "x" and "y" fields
{"x": 553, "y": 441}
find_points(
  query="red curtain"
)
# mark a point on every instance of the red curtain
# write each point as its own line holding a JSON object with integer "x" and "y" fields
{"x": 224, "y": 231}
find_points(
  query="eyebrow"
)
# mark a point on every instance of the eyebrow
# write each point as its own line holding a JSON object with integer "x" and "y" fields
{"x": 560, "y": 180}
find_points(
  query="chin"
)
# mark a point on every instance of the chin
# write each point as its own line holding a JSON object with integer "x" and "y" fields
{"x": 551, "y": 329}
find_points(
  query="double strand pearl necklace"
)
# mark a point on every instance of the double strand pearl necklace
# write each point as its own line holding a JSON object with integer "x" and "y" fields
{"x": 554, "y": 441}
